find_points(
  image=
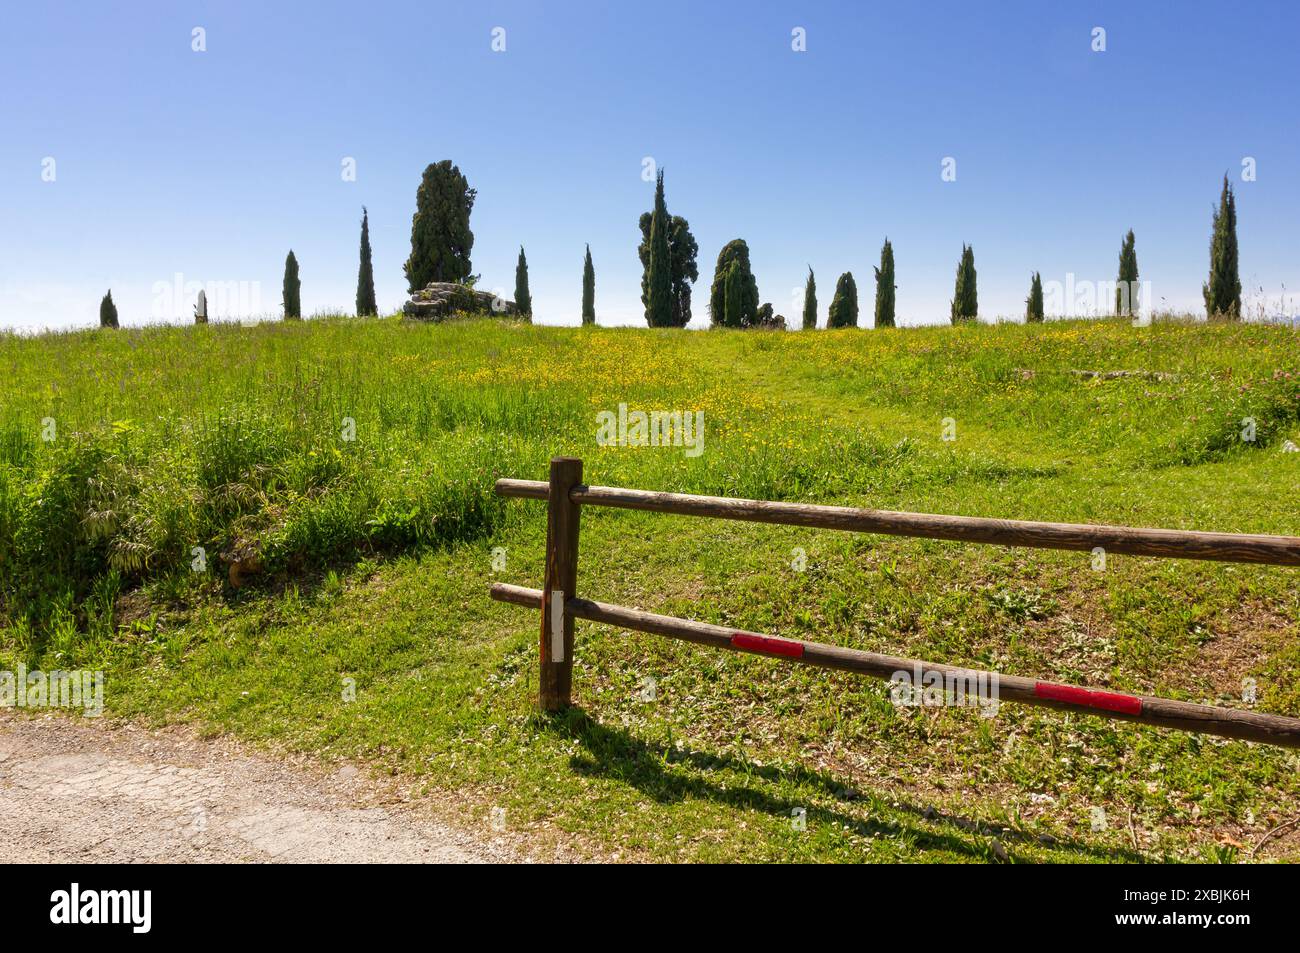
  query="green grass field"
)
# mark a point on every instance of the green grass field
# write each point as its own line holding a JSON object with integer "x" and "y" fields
{"x": 369, "y": 560}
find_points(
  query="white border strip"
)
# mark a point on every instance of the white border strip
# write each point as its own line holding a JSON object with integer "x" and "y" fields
{"x": 557, "y": 626}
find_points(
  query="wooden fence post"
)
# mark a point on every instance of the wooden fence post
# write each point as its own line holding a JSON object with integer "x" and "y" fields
{"x": 556, "y": 645}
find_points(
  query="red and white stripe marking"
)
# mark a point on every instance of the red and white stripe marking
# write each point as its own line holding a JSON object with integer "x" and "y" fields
{"x": 1089, "y": 698}
{"x": 767, "y": 645}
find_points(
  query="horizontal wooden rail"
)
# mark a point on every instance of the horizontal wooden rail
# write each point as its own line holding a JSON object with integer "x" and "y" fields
{"x": 1144, "y": 709}
{"x": 1126, "y": 540}
{"x": 523, "y": 489}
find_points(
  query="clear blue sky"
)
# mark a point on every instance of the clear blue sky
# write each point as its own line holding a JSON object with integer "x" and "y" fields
{"x": 214, "y": 164}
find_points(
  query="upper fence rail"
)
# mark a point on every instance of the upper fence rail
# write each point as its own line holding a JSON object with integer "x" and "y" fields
{"x": 1120, "y": 540}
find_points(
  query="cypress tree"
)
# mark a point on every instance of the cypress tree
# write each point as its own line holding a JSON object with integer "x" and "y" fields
{"x": 965, "y": 303}
{"x": 523, "y": 299}
{"x": 682, "y": 249}
{"x": 885, "y": 287}
{"x": 733, "y": 296}
{"x": 440, "y": 236}
{"x": 1034, "y": 303}
{"x": 659, "y": 270}
{"x": 810, "y": 302}
{"x": 588, "y": 290}
{"x": 1223, "y": 291}
{"x": 844, "y": 306}
{"x": 366, "y": 274}
{"x": 292, "y": 289}
{"x": 746, "y": 311}
{"x": 1126, "y": 284}
{"x": 108, "y": 311}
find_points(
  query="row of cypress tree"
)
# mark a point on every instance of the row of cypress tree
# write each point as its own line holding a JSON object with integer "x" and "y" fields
{"x": 734, "y": 301}
{"x": 441, "y": 241}
{"x": 291, "y": 288}
{"x": 733, "y": 298}
{"x": 1222, "y": 291}
{"x": 668, "y": 254}
{"x": 366, "y": 304}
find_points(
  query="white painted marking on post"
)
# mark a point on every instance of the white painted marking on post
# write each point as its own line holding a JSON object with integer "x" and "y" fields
{"x": 557, "y": 626}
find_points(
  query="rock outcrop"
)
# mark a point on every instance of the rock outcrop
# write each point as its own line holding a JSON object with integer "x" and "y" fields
{"x": 441, "y": 299}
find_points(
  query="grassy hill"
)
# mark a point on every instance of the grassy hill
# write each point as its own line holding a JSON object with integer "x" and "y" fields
{"x": 368, "y": 559}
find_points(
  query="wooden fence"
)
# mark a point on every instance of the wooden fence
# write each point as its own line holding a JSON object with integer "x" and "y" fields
{"x": 565, "y": 493}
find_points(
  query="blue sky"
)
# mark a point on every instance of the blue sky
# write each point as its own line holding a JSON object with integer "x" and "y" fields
{"x": 211, "y": 165}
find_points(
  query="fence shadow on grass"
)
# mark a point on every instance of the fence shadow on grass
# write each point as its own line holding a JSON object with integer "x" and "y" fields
{"x": 614, "y": 753}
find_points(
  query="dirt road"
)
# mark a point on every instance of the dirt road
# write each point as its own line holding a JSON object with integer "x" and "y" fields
{"x": 84, "y": 790}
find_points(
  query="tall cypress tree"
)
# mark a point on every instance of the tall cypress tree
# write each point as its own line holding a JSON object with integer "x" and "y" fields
{"x": 843, "y": 312}
{"x": 523, "y": 298}
{"x": 292, "y": 289}
{"x": 810, "y": 302}
{"x": 885, "y": 287}
{"x": 965, "y": 302}
{"x": 108, "y": 311}
{"x": 682, "y": 249}
{"x": 1223, "y": 291}
{"x": 746, "y": 312}
{"x": 1126, "y": 284}
{"x": 441, "y": 240}
{"x": 1034, "y": 303}
{"x": 366, "y": 274}
{"x": 659, "y": 271}
{"x": 588, "y": 290}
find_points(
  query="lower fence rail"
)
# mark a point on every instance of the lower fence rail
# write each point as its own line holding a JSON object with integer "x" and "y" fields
{"x": 1144, "y": 709}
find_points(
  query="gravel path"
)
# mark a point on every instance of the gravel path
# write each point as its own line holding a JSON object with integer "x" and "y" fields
{"x": 97, "y": 791}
